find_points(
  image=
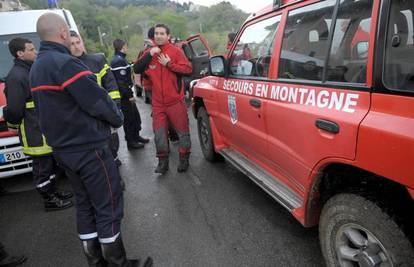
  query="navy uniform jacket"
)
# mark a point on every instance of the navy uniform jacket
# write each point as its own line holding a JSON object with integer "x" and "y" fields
{"x": 96, "y": 62}
{"x": 122, "y": 72}
{"x": 20, "y": 110}
{"x": 74, "y": 111}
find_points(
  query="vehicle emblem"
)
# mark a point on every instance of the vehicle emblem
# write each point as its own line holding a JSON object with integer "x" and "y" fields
{"x": 232, "y": 108}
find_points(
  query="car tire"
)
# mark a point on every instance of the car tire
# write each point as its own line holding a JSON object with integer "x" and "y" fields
{"x": 205, "y": 136}
{"x": 354, "y": 231}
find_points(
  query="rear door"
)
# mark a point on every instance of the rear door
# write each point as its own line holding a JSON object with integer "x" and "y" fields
{"x": 321, "y": 91}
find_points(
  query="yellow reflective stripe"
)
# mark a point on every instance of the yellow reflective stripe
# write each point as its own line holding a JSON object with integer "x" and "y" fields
{"x": 114, "y": 94}
{"x": 12, "y": 126}
{"x": 23, "y": 133}
{"x": 34, "y": 150}
{"x": 30, "y": 104}
{"x": 101, "y": 74}
{"x": 37, "y": 151}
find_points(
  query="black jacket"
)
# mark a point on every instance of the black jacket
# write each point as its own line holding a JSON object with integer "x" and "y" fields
{"x": 74, "y": 111}
{"x": 18, "y": 93}
{"x": 122, "y": 72}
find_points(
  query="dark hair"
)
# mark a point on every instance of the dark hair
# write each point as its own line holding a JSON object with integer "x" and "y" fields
{"x": 118, "y": 44}
{"x": 151, "y": 33}
{"x": 73, "y": 34}
{"x": 18, "y": 44}
{"x": 231, "y": 36}
{"x": 163, "y": 26}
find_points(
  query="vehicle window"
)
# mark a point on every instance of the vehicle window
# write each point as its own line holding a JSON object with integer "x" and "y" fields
{"x": 187, "y": 51}
{"x": 6, "y": 59}
{"x": 199, "y": 48}
{"x": 252, "y": 54}
{"x": 399, "y": 48}
{"x": 305, "y": 41}
{"x": 349, "y": 50}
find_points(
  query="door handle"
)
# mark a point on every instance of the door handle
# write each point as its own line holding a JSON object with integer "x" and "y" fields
{"x": 327, "y": 125}
{"x": 255, "y": 103}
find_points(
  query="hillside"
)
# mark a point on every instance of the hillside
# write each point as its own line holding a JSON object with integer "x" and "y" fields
{"x": 130, "y": 19}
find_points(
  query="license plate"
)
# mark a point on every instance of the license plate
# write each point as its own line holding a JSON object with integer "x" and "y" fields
{"x": 6, "y": 157}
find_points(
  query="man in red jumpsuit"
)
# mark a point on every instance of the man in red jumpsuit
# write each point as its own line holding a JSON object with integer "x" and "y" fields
{"x": 164, "y": 64}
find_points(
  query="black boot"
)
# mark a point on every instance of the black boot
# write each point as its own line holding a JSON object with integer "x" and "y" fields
{"x": 93, "y": 253}
{"x": 115, "y": 256}
{"x": 162, "y": 167}
{"x": 134, "y": 145}
{"x": 183, "y": 164}
{"x": 52, "y": 202}
{"x": 7, "y": 260}
{"x": 63, "y": 194}
{"x": 142, "y": 139}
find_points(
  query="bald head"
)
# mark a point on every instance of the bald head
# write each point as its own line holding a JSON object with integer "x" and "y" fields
{"x": 52, "y": 27}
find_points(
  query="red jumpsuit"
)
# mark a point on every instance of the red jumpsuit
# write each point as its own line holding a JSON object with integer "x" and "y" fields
{"x": 168, "y": 104}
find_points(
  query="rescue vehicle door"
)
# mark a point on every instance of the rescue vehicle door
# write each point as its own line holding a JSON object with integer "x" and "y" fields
{"x": 242, "y": 105}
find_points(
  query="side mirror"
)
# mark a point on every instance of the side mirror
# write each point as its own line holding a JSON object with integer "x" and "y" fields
{"x": 217, "y": 66}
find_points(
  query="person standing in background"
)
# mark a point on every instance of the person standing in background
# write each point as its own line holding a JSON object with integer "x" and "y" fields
{"x": 122, "y": 71}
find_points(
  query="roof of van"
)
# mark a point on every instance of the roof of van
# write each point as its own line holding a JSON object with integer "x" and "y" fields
{"x": 24, "y": 21}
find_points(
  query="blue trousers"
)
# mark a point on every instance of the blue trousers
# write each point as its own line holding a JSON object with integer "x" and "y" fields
{"x": 96, "y": 183}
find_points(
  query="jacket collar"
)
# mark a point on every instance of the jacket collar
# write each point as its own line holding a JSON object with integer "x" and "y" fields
{"x": 23, "y": 63}
{"x": 165, "y": 46}
{"x": 46, "y": 45}
{"x": 123, "y": 55}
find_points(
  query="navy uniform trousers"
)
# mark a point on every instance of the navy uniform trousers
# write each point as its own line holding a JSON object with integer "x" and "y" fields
{"x": 99, "y": 200}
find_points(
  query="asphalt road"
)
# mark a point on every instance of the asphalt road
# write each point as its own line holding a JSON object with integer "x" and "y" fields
{"x": 212, "y": 215}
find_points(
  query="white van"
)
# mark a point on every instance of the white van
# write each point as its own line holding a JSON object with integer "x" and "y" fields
{"x": 18, "y": 24}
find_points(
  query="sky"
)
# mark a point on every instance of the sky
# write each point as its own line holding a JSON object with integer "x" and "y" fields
{"x": 248, "y": 6}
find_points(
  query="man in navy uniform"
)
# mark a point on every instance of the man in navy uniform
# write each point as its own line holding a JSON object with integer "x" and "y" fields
{"x": 76, "y": 114}
{"x": 122, "y": 71}
{"x": 104, "y": 77}
{"x": 20, "y": 113}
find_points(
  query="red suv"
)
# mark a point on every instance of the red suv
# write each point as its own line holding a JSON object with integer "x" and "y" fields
{"x": 315, "y": 103}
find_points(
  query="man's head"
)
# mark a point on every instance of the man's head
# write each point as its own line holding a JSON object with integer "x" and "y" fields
{"x": 161, "y": 34}
{"x": 120, "y": 46}
{"x": 231, "y": 36}
{"x": 77, "y": 48}
{"x": 53, "y": 28}
{"x": 23, "y": 49}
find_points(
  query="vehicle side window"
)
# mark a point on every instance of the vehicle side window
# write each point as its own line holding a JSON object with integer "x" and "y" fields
{"x": 305, "y": 41}
{"x": 399, "y": 49}
{"x": 252, "y": 54}
{"x": 349, "y": 50}
{"x": 199, "y": 48}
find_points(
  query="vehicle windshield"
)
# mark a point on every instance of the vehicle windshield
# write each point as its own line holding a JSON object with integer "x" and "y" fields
{"x": 6, "y": 59}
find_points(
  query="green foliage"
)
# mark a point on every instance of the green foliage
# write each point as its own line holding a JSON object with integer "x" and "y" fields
{"x": 131, "y": 19}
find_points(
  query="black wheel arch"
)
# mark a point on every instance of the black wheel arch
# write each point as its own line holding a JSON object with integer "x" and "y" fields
{"x": 393, "y": 198}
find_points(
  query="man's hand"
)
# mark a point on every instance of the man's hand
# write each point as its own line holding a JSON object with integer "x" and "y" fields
{"x": 155, "y": 50}
{"x": 164, "y": 59}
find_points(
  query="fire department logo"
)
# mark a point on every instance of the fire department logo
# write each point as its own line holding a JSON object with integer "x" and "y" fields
{"x": 232, "y": 108}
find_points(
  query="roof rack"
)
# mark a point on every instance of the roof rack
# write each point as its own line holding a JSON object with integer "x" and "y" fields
{"x": 280, "y": 3}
